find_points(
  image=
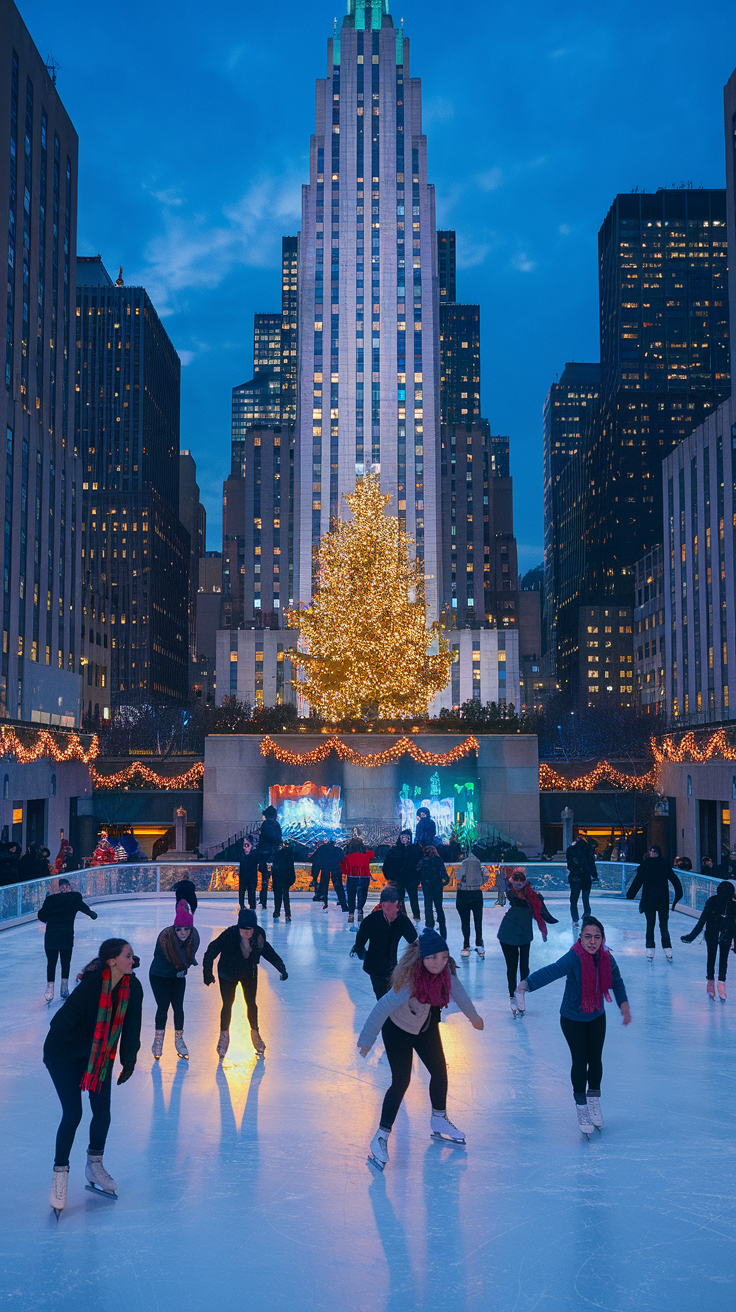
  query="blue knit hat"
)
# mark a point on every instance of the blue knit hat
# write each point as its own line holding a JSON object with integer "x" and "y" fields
{"x": 247, "y": 919}
{"x": 430, "y": 942}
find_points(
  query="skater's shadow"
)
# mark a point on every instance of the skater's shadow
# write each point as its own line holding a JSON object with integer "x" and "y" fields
{"x": 402, "y": 1288}
{"x": 166, "y": 1115}
{"x": 442, "y": 1170}
{"x": 239, "y": 1117}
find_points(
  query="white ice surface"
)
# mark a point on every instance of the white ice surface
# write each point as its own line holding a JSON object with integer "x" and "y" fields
{"x": 245, "y": 1186}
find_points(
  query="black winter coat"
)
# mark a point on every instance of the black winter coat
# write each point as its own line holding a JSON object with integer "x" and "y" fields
{"x": 400, "y": 865}
{"x": 653, "y": 878}
{"x": 72, "y": 1030}
{"x": 718, "y": 919}
{"x": 233, "y": 966}
{"x": 581, "y": 864}
{"x": 284, "y": 869}
{"x": 426, "y": 831}
{"x": 269, "y": 837}
{"x": 185, "y": 891}
{"x": 326, "y": 861}
{"x": 432, "y": 874}
{"x": 58, "y": 913}
{"x": 377, "y": 941}
{"x": 247, "y": 875}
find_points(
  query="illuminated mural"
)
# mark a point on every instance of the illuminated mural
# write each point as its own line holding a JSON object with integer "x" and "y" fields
{"x": 306, "y": 806}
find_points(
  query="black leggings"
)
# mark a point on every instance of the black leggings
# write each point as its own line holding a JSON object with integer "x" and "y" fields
{"x": 585, "y": 1039}
{"x": 432, "y": 903}
{"x": 467, "y": 900}
{"x": 51, "y": 957}
{"x": 410, "y": 891}
{"x": 228, "y": 989}
{"x": 281, "y": 894}
{"x": 651, "y": 919}
{"x": 575, "y": 891}
{"x": 168, "y": 992}
{"x": 516, "y": 957}
{"x": 712, "y": 946}
{"x": 357, "y": 891}
{"x": 67, "y": 1077}
{"x": 400, "y": 1048}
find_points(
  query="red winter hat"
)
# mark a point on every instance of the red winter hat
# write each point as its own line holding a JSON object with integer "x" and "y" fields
{"x": 183, "y": 916}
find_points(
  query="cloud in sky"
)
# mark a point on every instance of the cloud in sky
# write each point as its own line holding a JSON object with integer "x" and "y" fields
{"x": 522, "y": 263}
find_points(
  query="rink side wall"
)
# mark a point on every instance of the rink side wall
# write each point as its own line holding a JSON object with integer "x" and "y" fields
{"x": 237, "y": 778}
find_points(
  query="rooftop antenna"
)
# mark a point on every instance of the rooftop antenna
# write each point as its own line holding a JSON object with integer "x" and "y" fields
{"x": 119, "y": 280}
{"x": 51, "y": 68}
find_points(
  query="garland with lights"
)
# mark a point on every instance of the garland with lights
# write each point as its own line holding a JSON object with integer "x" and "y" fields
{"x": 46, "y": 745}
{"x": 369, "y": 760}
{"x": 716, "y": 747}
{"x": 142, "y": 774}
{"x": 603, "y": 773}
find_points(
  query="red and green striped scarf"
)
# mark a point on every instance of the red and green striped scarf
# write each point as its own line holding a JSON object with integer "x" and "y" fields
{"x": 107, "y": 1032}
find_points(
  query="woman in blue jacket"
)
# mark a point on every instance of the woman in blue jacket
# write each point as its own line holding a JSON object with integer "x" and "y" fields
{"x": 591, "y": 973}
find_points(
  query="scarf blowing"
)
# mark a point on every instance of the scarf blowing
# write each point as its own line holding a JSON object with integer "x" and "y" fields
{"x": 107, "y": 1032}
{"x": 595, "y": 977}
{"x": 434, "y": 989}
{"x": 535, "y": 906}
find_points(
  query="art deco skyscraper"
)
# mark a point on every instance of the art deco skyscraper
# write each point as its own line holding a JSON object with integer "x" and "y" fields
{"x": 368, "y": 324}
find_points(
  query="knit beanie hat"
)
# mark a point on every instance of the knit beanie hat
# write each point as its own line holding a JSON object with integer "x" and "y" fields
{"x": 430, "y": 942}
{"x": 183, "y": 917}
{"x": 247, "y": 919}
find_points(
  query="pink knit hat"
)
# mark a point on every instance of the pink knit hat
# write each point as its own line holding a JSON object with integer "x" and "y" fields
{"x": 183, "y": 916}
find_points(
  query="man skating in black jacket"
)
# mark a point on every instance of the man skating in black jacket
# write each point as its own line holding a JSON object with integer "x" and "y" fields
{"x": 654, "y": 877}
{"x": 581, "y": 873}
{"x": 378, "y": 940}
{"x": 326, "y": 866}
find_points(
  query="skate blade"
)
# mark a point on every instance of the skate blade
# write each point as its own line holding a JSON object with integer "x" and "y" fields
{"x": 103, "y": 1193}
{"x": 446, "y": 1138}
{"x": 373, "y": 1161}
{"x": 183, "y": 1056}
{"x": 57, "y": 1213}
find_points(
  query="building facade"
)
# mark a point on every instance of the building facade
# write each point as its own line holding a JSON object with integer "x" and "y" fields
{"x": 136, "y": 552}
{"x": 289, "y": 328}
{"x": 446, "y": 266}
{"x": 459, "y": 363}
{"x": 193, "y": 516}
{"x": 649, "y": 632}
{"x": 209, "y": 621}
{"x": 42, "y": 538}
{"x": 605, "y": 643}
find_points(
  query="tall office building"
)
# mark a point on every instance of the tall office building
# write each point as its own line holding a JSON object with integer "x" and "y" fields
{"x": 41, "y": 542}
{"x": 369, "y": 333}
{"x": 289, "y": 328}
{"x": 446, "y": 266}
{"x": 127, "y": 426}
{"x": 193, "y": 516}
{"x": 459, "y": 363}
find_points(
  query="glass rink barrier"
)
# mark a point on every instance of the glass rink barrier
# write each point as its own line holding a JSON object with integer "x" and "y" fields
{"x": 22, "y": 900}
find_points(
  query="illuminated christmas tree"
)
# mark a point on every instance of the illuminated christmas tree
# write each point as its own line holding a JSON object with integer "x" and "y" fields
{"x": 367, "y": 648}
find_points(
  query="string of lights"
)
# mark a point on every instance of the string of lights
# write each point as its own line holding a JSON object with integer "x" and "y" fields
{"x": 603, "y": 773}
{"x": 142, "y": 774}
{"x": 401, "y": 747}
{"x": 716, "y": 747}
{"x": 45, "y": 744}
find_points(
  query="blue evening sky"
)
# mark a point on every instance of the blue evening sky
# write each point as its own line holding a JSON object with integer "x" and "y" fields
{"x": 194, "y": 124}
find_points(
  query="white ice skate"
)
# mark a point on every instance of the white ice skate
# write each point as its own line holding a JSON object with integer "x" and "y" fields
{"x": 179, "y": 1043}
{"x": 650, "y": 954}
{"x": 257, "y": 1042}
{"x": 157, "y": 1046}
{"x": 585, "y": 1125}
{"x": 722, "y": 990}
{"x": 58, "y": 1189}
{"x": 378, "y": 1151}
{"x": 223, "y": 1043}
{"x": 668, "y": 953}
{"x": 514, "y": 1008}
{"x": 520, "y": 1000}
{"x": 64, "y": 990}
{"x": 481, "y": 951}
{"x": 100, "y": 1181}
{"x": 441, "y": 1127}
{"x": 594, "y": 1110}
{"x": 49, "y": 994}
{"x": 465, "y": 952}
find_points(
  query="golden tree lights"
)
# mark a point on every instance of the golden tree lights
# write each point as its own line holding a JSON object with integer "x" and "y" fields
{"x": 369, "y": 759}
{"x": 143, "y": 775}
{"x": 367, "y": 644}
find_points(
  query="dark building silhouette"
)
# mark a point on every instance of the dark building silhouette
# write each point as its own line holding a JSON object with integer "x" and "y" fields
{"x": 127, "y": 424}
{"x": 446, "y": 266}
{"x": 459, "y": 363}
{"x": 193, "y": 516}
{"x": 41, "y": 540}
{"x": 289, "y": 328}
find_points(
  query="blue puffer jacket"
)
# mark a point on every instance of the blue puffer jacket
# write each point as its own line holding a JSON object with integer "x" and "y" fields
{"x": 570, "y": 966}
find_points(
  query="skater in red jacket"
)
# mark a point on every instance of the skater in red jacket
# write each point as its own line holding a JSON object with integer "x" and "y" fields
{"x": 355, "y": 866}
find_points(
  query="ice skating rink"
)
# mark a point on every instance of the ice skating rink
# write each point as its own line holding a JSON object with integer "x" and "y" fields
{"x": 245, "y": 1185}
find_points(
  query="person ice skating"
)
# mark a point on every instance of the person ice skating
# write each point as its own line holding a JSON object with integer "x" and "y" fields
{"x": 326, "y": 867}
{"x": 426, "y": 830}
{"x": 516, "y": 931}
{"x": 58, "y": 913}
{"x": 356, "y": 868}
{"x": 718, "y": 920}
{"x": 653, "y": 878}
{"x": 240, "y": 948}
{"x": 470, "y": 877}
{"x": 433, "y": 876}
{"x": 408, "y": 1019}
{"x": 104, "y": 1010}
{"x": 269, "y": 841}
{"x": 401, "y": 868}
{"x": 185, "y": 889}
{"x": 248, "y": 874}
{"x": 591, "y": 972}
{"x": 284, "y": 878}
{"x": 173, "y": 955}
{"x": 378, "y": 939}
{"x": 581, "y": 873}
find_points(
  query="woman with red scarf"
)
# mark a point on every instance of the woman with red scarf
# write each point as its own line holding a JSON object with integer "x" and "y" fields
{"x": 591, "y": 973}
{"x": 516, "y": 931}
{"x": 102, "y": 1011}
{"x": 408, "y": 1019}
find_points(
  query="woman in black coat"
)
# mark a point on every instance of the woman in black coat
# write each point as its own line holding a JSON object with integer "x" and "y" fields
{"x": 185, "y": 889}
{"x": 284, "y": 877}
{"x": 433, "y": 877}
{"x": 240, "y": 948}
{"x": 654, "y": 877}
{"x": 718, "y": 919}
{"x": 79, "y": 1054}
{"x": 401, "y": 868}
{"x": 58, "y": 914}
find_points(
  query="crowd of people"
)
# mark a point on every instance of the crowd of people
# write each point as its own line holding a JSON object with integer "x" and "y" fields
{"x": 411, "y": 990}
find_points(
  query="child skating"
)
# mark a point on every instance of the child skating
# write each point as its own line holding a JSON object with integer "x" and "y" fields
{"x": 718, "y": 920}
{"x": 591, "y": 972}
{"x": 240, "y": 948}
{"x": 408, "y": 1019}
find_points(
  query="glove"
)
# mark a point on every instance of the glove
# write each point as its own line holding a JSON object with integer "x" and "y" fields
{"x": 125, "y": 1074}
{"x": 353, "y": 953}
{"x": 94, "y": 915}
{"x": 685, "y": 938}
{"x": 210, "y": 981}
{"x": 285, "y": 975}
{"x": 136, "y": 963}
